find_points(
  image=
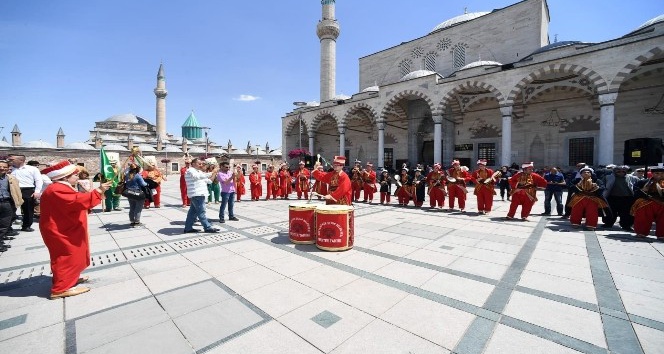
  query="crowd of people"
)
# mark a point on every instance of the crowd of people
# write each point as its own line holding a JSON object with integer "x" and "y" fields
{"x": 634, "y": 200}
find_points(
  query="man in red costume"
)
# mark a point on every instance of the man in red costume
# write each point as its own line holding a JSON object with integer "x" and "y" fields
{"x": 456, "y": 188}
{"x": 255, "y": 183}
{"x": 649, "y": 205}
{"x": 587, "y": 200}
{"x": 369, "y": 179}
{"x": 338, "y": 181}
{"x": 285, "y": 182}
{"x": 320, "y": 187}
{"x": 64, "y": 227}
{"x": 484, "y": 187}
{"x": 302, "y": 177}
{"x": 524, "y": 190}
{"x": 272, "y": 178}
{"x": 405, "y": 192}
{"x": 239, "y": 183}
{"x": 183, "y": 183}
{"x": 356, "y": 180}
{"x": 436, "y": 182}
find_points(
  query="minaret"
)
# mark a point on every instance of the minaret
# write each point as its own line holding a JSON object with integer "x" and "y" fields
{"x": 60, "y": 139}
{"x": 328, "y": 31}
{"x": 160, "y": 92}
{"x": 16, "y": 136}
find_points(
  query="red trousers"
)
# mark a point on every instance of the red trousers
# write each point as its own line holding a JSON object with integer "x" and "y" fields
{"x": 384, "y": 197}
{"x": 484, "y": 198}
{"x": 271, "y": 191}
{"x": 299, "y": 194}
{"x": 645, "y": 216}
{"x": 455, "y": 191}
{"x": 369, "y": 192}
{"x": 525, "y": 202}
{"x": 403, "y": 197}
{"x": 255, "y": 192}
{"x": 183, "y": 193}
{"x": 356, "y": 192}
{"x": 156, "y": 198}
{"x": 584, "y": 207}
{"x": 436, "y": 197}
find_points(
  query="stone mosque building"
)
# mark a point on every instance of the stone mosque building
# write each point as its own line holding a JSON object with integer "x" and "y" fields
{"x": 489, "y": 85}
{"x": 120, "y": 133}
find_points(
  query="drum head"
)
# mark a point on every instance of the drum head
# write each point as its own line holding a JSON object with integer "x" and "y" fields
{"x": 451, "y": 179}
{"x": 301, "y": 205}
{"x": 334, "y": 208}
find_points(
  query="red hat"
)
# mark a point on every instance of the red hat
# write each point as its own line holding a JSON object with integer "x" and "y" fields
{"x": 60, "y": 170}
{"x": 339, "y": 160}
{"x": 456, "y": 162}
{"x": 481, "y": 162}
{"x": 528, "y": 164}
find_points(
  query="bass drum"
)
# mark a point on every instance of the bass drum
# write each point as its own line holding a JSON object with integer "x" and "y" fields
{"x": 302, "y": 223}
{"x": 334, "y": 227}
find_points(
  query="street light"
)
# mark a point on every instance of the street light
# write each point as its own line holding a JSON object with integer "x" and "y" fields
{"x": 299, "y": 118}
{"x": 207, "y": 141}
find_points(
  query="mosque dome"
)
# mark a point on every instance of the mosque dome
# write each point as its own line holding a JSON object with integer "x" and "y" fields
{"x": 79, "y": 146}
{"x": 459, "y": 19}
{"x": 39, "y": 144}
{"x": 373, "y": 88}
{"x": 115, "y": 147}
{"x": 481, "y": 63}
{"x": 417, "y": 73}
{"x": 108, "y": 137}
{"x": 657, "y": 19}
{"x": 126, "y": 118}
{"x": 191, "y": 121}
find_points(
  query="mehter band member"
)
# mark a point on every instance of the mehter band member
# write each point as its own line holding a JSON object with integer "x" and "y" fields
{"x": 456, "y": 187}
{"x": 587, "y": 199}
{"x": 649, "y": 205}
{"x": 436, "y": 182}
{"x": 338, "y": 181}
{"x": 524, "y": 190}
{"x": 302, "y": 177}
{"x": 484, "y": 187}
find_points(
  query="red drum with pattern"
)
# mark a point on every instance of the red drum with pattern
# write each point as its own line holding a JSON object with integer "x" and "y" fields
{"x": 334, "y": 227}
{"x": 302, "y": 223}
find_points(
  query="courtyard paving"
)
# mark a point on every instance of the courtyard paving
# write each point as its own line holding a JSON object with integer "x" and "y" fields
{"x": 417, "y": 281}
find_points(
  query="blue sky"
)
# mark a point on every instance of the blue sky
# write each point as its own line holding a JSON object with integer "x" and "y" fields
{"x": 238, "y": 64}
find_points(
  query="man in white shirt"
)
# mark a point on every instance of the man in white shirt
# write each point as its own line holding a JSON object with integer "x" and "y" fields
{"x": 30, "y": 180}
{"x": 197, "y": 191}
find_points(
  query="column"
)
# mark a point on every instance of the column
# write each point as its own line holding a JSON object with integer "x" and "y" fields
{"x": 311, "y": 134}
{"x": 342, "y": 140}
{"x": 606, "y": 127}
{"x": 506, "y": 150}
{"x": 381, "y": 144}
{"x": 437, "y": 139}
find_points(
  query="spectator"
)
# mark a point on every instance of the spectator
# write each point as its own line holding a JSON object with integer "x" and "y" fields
{"x": 213, "y": 188}
{"x": 504, "y": 183}
{"x": 10, "y": 198}
{"x": 134, "y": 181}
{"x": 227, "y": 181}
{"x": 183, "y": 183}
{"x": 153, "y": 174}
{"x": 197, "y": 181}
{"x": 619, "y": 193}
{"x": 554, "y": 188}
{"x": 30, "y": 180}
{"x": 113, "y": 200}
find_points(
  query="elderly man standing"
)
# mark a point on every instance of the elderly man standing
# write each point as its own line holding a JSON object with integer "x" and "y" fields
{"x": 197, "y": 182}
{"x": 30, "y": 181}
{"x": 554, "y": 189}
{"x": 10, "y": 198}
{"x": 619, "y": 193}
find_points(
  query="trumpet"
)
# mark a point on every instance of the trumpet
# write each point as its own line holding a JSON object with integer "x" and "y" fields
{"x": 397, "y": 180}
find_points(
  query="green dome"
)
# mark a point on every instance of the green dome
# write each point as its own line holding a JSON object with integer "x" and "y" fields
{"x": 191, "y": 121}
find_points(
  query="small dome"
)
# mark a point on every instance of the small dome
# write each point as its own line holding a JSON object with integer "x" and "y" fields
{"x": 79, "y": 146}
{"x": 40, "y": 144}
{"x": 196, "y": 150}
{"x": 481, "y": 63}
{"x": 137, "y": 139}
{"x": 115, "y": 147}
{"x": 147, "y": 148}
{"x": 459, "y": 19}
{"x": 107, "y": 137}
{"x": 417, "y": 73}
{"x": 191, "y": 121}
{"x": 657, "y": 19}
{"x": 374, "y": 88}
{"x": 340, "y": 97}
{"x": 276, "y": 152}
{"x": 171, "y": 149}
{"x": 124, "y": 118}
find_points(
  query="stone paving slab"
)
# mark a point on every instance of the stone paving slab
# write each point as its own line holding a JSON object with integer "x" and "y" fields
{"x": 417, "y": 280}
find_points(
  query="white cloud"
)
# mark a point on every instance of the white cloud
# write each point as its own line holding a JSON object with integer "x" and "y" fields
{"x": 246, "y": 98}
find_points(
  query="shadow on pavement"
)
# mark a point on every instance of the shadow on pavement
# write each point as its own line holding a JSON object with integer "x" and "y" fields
{"x": 36, "y": 286}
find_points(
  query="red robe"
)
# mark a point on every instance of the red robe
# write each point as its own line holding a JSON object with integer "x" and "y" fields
{"x": 272, "y": 179}
{"x": 484, "y": 191}
{"x": 255, "y": 183}
{"x": 320, "y": 188}
{"x": 369, "y": 178}
{"x": 302, "y": 184}
{"x": 239, "y": 184}
{"x": 526, "y": 196}
{"x": 285, "y": 183}
{"x": 64, "y": 227}
{"x": 183, "y": 186}
{"x": 339, "y": 186}
{"x": 457, "y": 190}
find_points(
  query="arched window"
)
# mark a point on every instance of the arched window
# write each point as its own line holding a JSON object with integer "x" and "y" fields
{"x": 405, "y": 66}
{"x": 430, "y": 61}
{"x": 459, "y": 56}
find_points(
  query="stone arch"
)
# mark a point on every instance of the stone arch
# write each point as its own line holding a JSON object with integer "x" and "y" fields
{"x": 294, "y": 122}
{"x": 595, "y": 79}
{"x": 580, "y": 123}
{"x": 622, "y": 75}
{"x": 405, "y": 94}
{"x": 322, "y": 114}
{"x": 373, "y": 115}
{"x": 465, "y": 86}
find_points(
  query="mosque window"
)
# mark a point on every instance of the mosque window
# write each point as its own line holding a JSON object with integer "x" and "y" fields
{"x": 417, "y": 52}
{"x": 487, "y": 151}
{"x": 459, "y": 55}
{"x": 581, "y": 150}
{"x": 388, "y": 157}
{"x": 405, "y": 66}
{"x": 444, "y": 44}
{"x": 430, "y": 61}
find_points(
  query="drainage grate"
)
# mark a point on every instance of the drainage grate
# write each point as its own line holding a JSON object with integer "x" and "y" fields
{"x": 189, "y": 243}
{"x": 282, "y": 225}
{"x": 225, "y": 237}
{"x": 147, "y": 251}
{"x": 262, "y": 230}
{"x": 24, "y": 273}
{"x": 107, "y": 258}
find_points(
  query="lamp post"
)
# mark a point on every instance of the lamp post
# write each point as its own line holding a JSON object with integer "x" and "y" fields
{"x": 207, "y": 141}
{"x": 299, "y": 119}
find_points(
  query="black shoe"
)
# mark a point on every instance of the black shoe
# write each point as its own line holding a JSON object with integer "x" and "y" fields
{"x": 27, "y": 229}
{"x": 3, "y": 249}
{"x": 606, "y": 226}
{"x": 5, "y": 246}
{"x": 545, "y": 214}
{"x": 212, "y": 230}
{"x": 191, "y": 231}
{"x": 12, "y": 233}
{"x": 628, "y": 229}
{"x": 7, "y": 238}
{"x": 234, "y": 219}
{"x": 221, "y": 221}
